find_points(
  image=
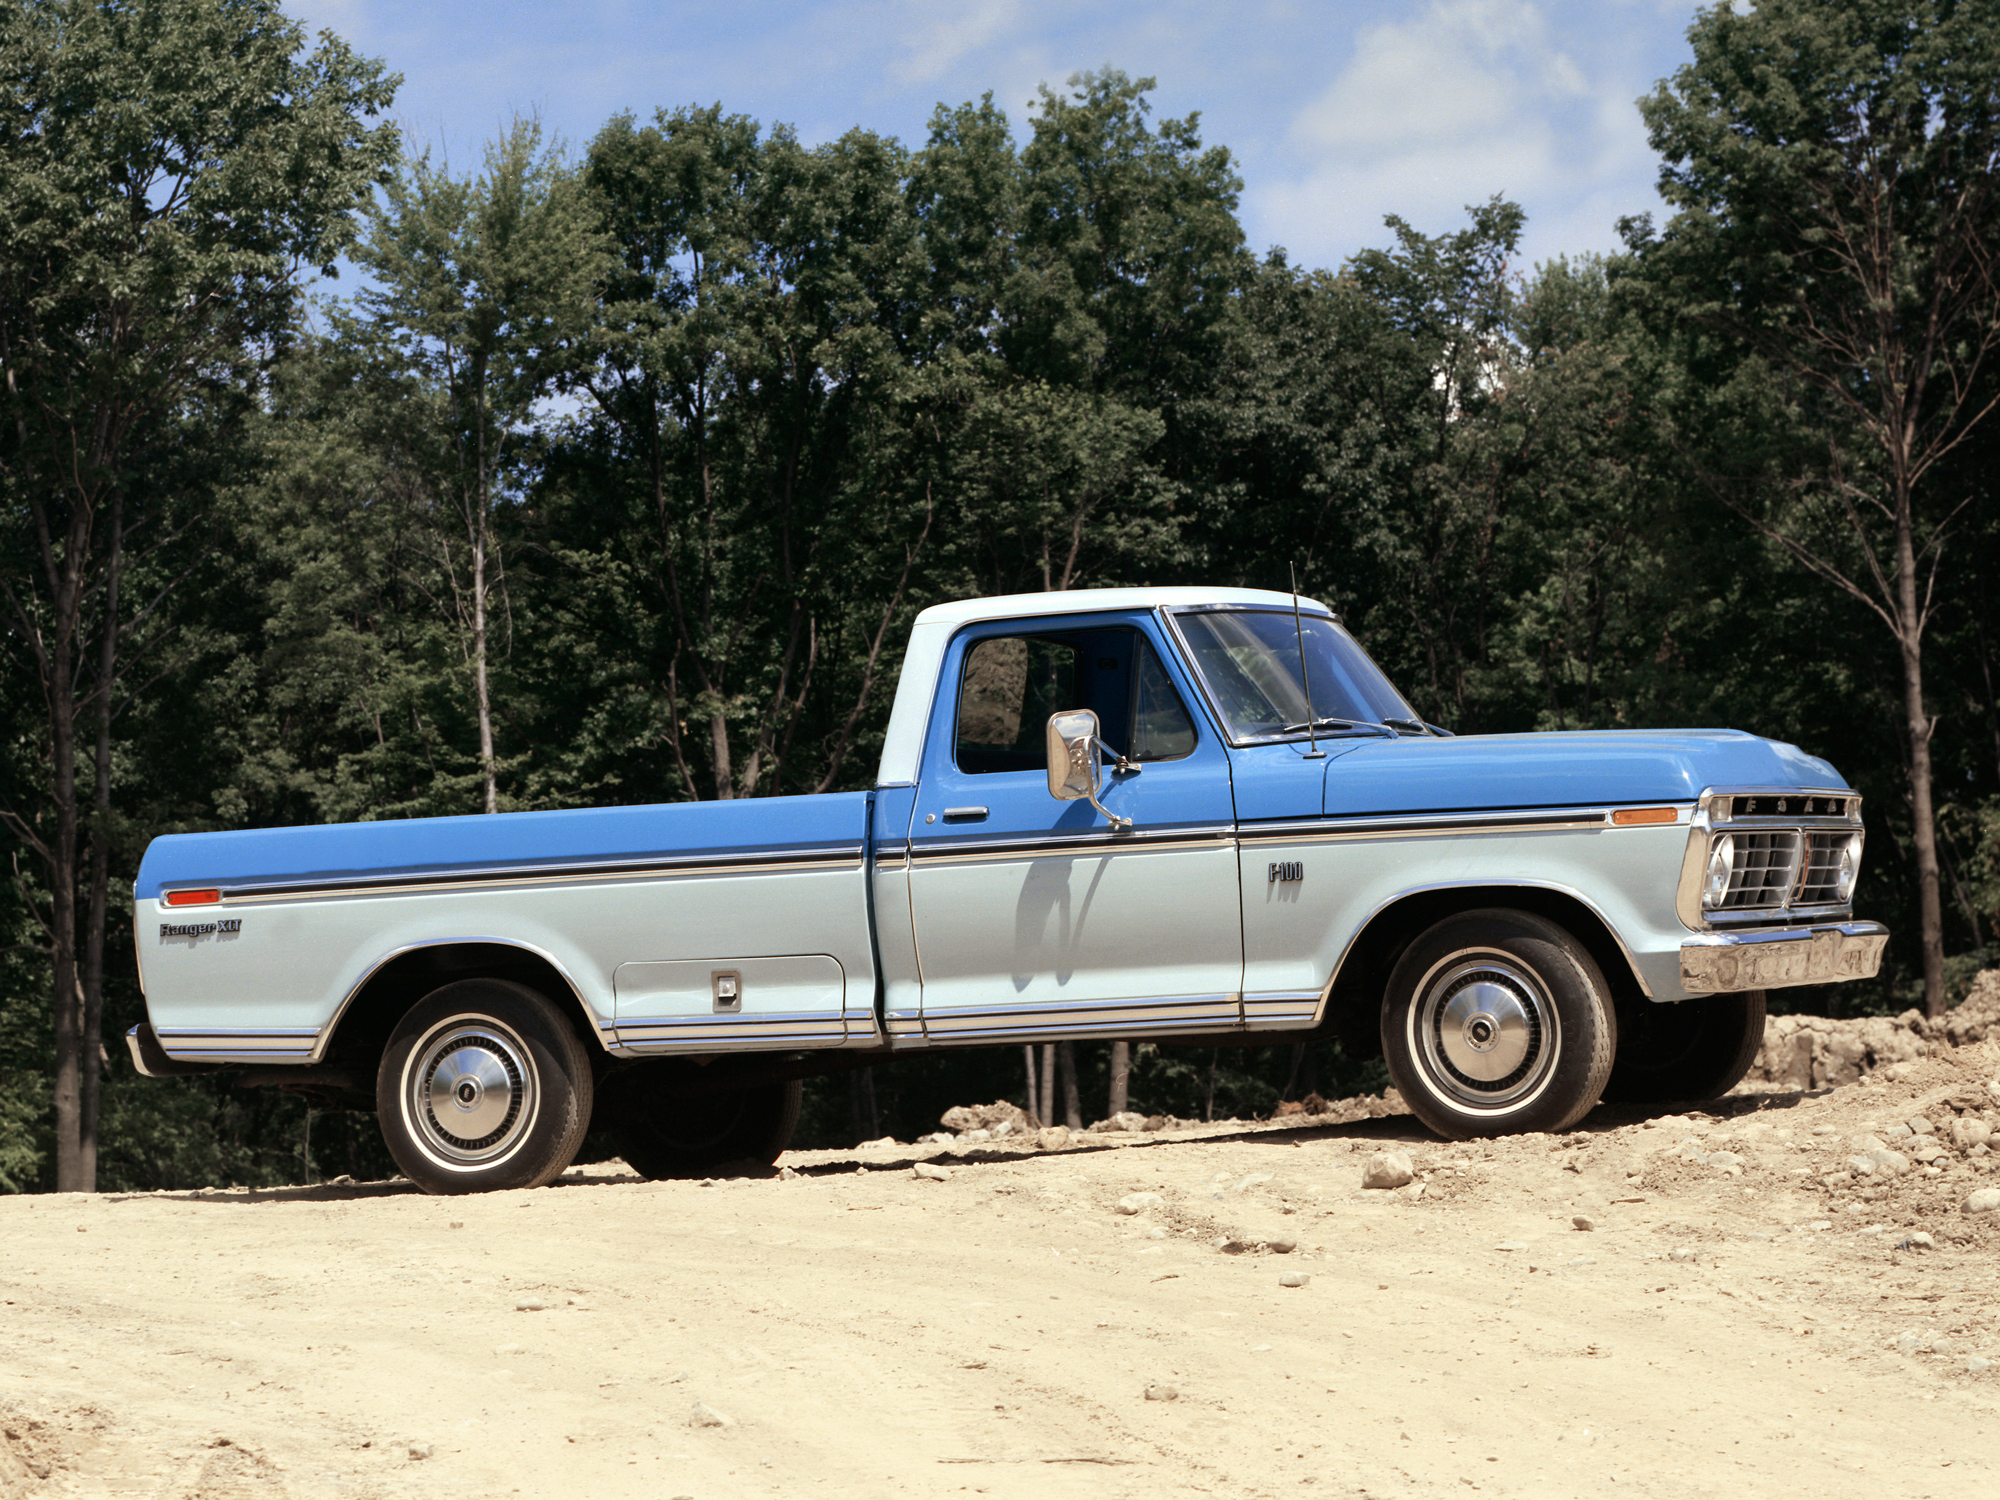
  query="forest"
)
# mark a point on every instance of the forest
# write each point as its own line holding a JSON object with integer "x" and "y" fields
{"x": 341, "y": 481}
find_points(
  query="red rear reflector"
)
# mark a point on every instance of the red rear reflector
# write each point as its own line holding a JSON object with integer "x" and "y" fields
{"x": 192, "y": 898}
{"x": 1626, "y": 816}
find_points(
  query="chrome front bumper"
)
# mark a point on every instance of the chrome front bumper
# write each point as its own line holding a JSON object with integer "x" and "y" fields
{"x": 1717, "y": 962}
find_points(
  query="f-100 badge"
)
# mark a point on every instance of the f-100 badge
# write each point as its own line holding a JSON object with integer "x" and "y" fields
{"x": 1287, "y": 869}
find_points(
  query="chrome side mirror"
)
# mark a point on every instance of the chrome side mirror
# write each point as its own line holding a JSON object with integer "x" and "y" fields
{"x": 1073, "y": 748}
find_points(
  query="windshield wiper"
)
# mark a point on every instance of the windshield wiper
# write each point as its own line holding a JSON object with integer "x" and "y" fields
{"x": 1337, "y": 724}
{"x": 1414, "y": 726}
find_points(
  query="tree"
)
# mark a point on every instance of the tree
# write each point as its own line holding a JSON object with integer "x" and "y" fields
{"x": 167, "y": 169}
{"x": 479, "y": 282}
{"x": 1834, "y": 169}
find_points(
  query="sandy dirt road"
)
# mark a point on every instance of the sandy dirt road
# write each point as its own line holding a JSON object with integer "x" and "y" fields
{"x": 1740, "y": 1321}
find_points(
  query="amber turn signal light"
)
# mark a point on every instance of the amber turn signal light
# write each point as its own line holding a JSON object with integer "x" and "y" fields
{"x": 192, "y": 898}
{"x": 1625, "y": 817}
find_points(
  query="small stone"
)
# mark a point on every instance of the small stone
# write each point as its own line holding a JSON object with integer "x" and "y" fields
{"x": 419, "y": 1452}
{"x": 1982, "y": 1200}
{"x": 1162, "y": 1393}
{"x": 1053, "y": 1138}
{"x": 530, "y": 1304}
{"x": 788, "y": 1174}
{"x": 1968, "y": 1132}
{"x": 1919, "y": 1125}
{"x": 1283, "y": 1245}
{"x": 701, "y": 1414}
{"x": 1387, "y": 1169}
{"x": 886, "y": 1140}
{"x": 1233, "y": 1246}
{"x": 1293, "y": 1278}
{"x": 1511, "y": 1245}
{"x": 1583, "y": 1221}
{"x": 1683, "y": 1254}
{"x": 930, "y": 1172}
{"x": 1977, "y": 1366}
{"x": 458, "y": 1223}
{"x": 1138, "y": 1203}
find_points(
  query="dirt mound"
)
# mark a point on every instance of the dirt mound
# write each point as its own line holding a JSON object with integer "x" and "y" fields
{"x": 1810, "y": 1052}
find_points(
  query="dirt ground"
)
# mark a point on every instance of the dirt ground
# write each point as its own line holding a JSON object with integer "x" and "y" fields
{"x": 1746, "y": 1317}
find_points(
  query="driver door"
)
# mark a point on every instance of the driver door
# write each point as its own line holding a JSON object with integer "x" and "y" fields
{"x": 1032, "y": 917}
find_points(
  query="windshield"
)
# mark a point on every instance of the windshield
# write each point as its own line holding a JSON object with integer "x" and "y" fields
{"x": 1249, "y": 662}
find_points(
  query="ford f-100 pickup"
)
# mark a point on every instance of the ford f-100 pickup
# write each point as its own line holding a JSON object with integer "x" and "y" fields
{"x": 1164, "y": 814}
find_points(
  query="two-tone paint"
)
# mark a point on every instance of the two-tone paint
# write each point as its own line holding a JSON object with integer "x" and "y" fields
{"x": 950, "y": 908}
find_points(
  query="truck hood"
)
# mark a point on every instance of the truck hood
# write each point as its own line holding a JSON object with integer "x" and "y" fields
{"x": 1585, "y": 767}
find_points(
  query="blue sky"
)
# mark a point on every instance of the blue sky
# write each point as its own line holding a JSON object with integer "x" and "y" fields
{"x": 1337, "y": 112}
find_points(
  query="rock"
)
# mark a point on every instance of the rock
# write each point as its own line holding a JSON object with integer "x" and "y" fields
{"x": 1968, "y": 1132}
{"x": 1511, "y": 1245}
{"x": 1283, "y": 1245}
{"x": 1861, "y": 1165}
{"x": 1917, "y": 1241}
{"x": 701, "y": 1414}
{"x": 974, "y": 1136}
{"x": 1387, "y": 1169}
{"x": 420, "y": 1451}
{"x": 1920, "y": 1125}
{"x": 1982, "y": 1200}
{"x": 1683, "y": 1254}
{"x": 1124, "y": 1120}
{"x": 788, "y": 1174}
{"x": 930, "y": 1172}
{"x": 1977, "y": 1366}
{"x": 1053, "y": 1138}
{"x": 1293, "y": 1278}
{"x": 1138, "y": 1203}
{"x": 1231, "y": 1245}
{"x": 887, "y": 1140}
{"x": 530, "y": 1304}
{"x": 1162, "y": 1393}
{"x": 963, "y": 1117}
{"x": 1583, "y": 1221}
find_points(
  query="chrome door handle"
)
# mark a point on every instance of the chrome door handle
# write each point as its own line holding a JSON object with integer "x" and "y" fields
{"x": 965, "y": 815}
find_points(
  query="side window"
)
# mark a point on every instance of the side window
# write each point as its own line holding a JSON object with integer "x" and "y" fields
{"x": 1009, "y": 687}
{"x": 1161, "y": 727}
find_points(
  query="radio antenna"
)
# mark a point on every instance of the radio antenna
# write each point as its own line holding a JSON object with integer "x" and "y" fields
{"x": 1305, "y": 675}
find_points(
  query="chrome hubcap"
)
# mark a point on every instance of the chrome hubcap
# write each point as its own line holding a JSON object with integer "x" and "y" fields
{"x": 1486, "y": 1031}
{"x": 470, "y": 1092}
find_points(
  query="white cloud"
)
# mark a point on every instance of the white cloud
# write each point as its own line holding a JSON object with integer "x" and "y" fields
{"x": 1464, "y": 100}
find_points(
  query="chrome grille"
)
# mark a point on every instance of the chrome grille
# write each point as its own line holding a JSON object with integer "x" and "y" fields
{"x": 1819, "y": 884}
{"x": 1762, "y": 869}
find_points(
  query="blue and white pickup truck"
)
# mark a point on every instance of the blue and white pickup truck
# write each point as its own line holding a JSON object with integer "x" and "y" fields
{"x": 1129, "y": 813}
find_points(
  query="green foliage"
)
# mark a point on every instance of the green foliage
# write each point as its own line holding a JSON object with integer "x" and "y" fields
{"x": 623, "y": 478}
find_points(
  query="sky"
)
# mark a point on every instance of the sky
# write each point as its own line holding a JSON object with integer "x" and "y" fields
{"x": 1338, "y": 113}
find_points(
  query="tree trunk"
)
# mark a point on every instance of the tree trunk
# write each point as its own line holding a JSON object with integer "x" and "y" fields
{"x": 480, "y": 535}
{"x": 90, "y": 1043}
{"x": 67, "y": 989}
{"x": 1918, "y": 725}
{"x": 1049, "y": 1080}
{"x": 1072, "y": 1097}
{"x": 1121, "y": 1078}
{"x": 865, "y": 1117}
{"x": 1034, "y": 1090}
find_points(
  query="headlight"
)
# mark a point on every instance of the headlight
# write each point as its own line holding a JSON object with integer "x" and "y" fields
{"x": 1721, "y": 860}
{"x": 1849, "y": 868}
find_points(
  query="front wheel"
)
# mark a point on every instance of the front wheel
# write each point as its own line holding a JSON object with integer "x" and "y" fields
{"x": 1498, "y": 1022}
{"x": 483, "y": 1086}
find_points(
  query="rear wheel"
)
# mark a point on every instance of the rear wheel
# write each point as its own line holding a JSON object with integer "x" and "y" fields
{"x": 1687, "y": 1049}
{"x": 665, "y": 1134}
{"x": 483, "y": 1086}
{"x": 1497, "y": 1022}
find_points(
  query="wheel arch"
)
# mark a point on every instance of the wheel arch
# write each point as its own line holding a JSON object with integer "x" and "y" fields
{"x": 1363, "y": 969}
{"x": 360, "y": 1027}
